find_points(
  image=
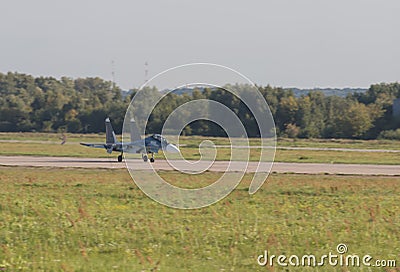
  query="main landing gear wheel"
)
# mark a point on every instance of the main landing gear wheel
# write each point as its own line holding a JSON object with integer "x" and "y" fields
{"x": 145, "y": 158}
{"x": 152, "y": 158}
{"x": 120, "y": 158}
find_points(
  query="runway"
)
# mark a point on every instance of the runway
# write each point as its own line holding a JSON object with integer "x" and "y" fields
{"x": 217, "y": 166}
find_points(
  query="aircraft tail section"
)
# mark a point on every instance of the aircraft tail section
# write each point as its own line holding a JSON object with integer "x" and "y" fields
{"x": 135, "y": 135}
{"x": 110, "y": 134}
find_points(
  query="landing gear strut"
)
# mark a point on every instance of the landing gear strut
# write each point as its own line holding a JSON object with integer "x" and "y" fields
{"x": 120, "y": 158}
{"x": 146, "y": 158}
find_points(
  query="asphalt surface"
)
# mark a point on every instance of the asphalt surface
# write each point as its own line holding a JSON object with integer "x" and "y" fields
{"x": 218, "y": 166}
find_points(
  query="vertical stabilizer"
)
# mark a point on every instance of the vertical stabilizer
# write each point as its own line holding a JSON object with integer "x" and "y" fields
{"x": 135, "y": 135}
{"x": 110, "y": 135}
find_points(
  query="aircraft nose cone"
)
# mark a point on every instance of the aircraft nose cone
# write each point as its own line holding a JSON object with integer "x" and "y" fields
{"x": 172, "y": 148}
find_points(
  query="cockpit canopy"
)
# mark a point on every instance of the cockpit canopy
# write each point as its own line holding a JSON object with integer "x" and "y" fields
{"x": 160, "y": 138}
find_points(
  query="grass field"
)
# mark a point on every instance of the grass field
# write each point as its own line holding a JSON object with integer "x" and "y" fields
{"x": 98, "y": 220}
{"x": 196, "y": 140}
{"x": 40, "y": 144}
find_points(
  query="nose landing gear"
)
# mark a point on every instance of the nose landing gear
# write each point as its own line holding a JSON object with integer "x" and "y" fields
{"x": 146, "y": 158}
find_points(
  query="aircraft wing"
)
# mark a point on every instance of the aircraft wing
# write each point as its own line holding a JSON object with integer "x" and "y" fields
{"x": 139, "y": 146}
{"x": 95, "y": 145}
{"x": 134, "y": 148}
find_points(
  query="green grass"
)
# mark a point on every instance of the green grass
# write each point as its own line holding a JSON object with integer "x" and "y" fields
{"x": 340, "y": 143}
{"x": 98, "y": 220}
{"x": 311, "y": 156}
{"x": 42, "y": 144}
{"x": 196, "y": 140}
{"x": 50, "y": 149}
{"x": 50, "y": 137}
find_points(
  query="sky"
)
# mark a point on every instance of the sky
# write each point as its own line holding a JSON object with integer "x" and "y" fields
{"x": 287, "y": 43}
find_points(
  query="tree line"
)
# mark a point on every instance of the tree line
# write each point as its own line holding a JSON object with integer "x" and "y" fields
{"x": 47, "y": 104}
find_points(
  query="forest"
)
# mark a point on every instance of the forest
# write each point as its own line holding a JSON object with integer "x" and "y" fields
{"x": 47, "y": 104}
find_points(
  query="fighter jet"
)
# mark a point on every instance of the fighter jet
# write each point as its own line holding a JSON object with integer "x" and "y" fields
{"x": 148, "y": 145}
